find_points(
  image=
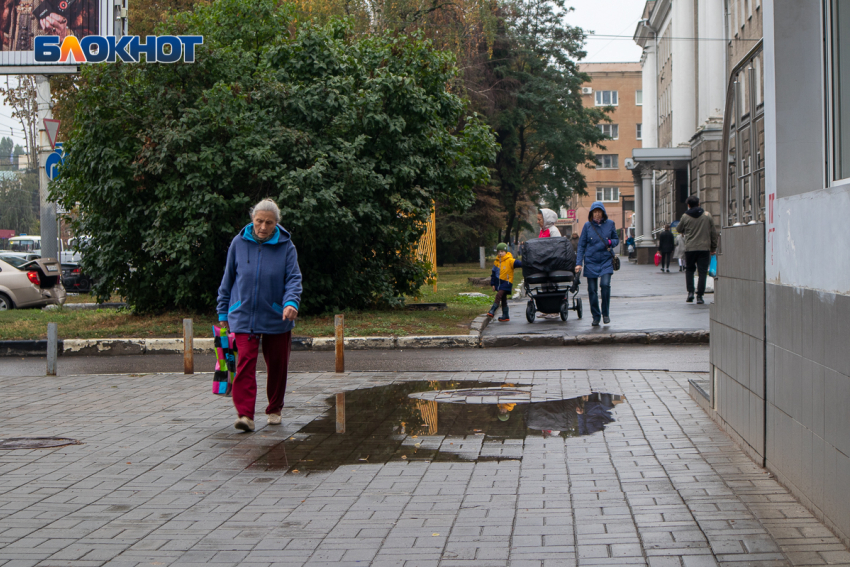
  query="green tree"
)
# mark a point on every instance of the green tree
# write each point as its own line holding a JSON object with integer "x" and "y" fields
{"x": 530, "y": 91}
{"x": 7, "y": 146}
{"x": 353, "y": 136}
{"x": 19, "y": 195}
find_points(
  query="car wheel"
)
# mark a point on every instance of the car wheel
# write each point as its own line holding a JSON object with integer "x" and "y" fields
{"x": 5, "y": 303}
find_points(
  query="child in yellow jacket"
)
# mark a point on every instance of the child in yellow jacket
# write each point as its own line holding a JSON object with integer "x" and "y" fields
{"x": 502, "y": 280}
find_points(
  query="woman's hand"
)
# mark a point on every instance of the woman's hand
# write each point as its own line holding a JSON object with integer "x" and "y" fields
{"x": 578, "y": 269}
{"x": 290, "y": 313}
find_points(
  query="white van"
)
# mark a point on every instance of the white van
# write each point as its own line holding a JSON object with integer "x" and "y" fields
{"x": 32, "y": 244}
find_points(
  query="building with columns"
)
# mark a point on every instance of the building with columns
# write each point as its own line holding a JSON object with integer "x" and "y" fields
{"x": 689, "y": 48}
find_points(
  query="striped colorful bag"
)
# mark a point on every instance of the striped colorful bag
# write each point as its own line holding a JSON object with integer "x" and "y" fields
{"x": 225, "y": 361}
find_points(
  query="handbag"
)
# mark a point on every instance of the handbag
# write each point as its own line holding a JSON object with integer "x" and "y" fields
{"x": 615, "y": 260}
{"x": 657, "y": 258}
{"x": 225, "y": 361}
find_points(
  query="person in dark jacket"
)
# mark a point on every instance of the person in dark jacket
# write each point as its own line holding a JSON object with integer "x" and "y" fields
{"x": 666, "y": 244}
{"x": 594, "y": 257}
{"x": 259, "y": 297}
{"x": 697, "y": 226}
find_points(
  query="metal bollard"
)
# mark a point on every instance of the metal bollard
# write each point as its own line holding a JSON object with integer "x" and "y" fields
{"x": 188, "y": 348}
{"x": 339, "y": 335}
{"x": 340, "y": 413}
{"x": 52, "y": 348}
{"x": 481, "y": 259}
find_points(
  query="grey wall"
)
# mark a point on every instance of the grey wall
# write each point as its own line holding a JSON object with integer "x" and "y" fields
{"x": 808, "y": 398}
{"x": 794, "y": 93}
{"x": 737, "y": 337}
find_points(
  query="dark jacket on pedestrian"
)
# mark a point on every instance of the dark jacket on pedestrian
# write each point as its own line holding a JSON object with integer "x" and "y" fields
{"x": 697, "y": 226}
{"x": 260, "y": 279}
{"x": 666, "y": 242}
{"x": 593, "y": 255}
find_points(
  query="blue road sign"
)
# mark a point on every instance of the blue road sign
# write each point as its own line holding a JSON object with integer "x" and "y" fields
{"x": 56, "y": 158}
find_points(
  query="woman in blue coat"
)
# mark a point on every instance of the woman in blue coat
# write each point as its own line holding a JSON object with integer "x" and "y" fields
{"x": 594, "y": 258}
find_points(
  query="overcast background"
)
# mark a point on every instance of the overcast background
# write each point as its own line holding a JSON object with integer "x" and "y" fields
{"x": 603, "y": 17}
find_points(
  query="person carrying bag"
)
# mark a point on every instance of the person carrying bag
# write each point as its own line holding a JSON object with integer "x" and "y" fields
{"x": 597, "y": 259}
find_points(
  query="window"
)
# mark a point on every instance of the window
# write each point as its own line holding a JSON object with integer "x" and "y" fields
{"x": 606, "y": 161}
{"x": 608, "y": 194}
{"x": 606, "y": 98}
{"x": 840, "y": 86}
{"x": 639, "y": 132}
{"x": 639, "y": 98}
{"x": 610, "y": 130}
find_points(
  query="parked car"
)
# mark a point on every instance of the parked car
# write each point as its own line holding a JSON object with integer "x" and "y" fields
{"x": 18, "y": 259}
{"x": 74, "y": 280}
{"x": 35, "y": 284}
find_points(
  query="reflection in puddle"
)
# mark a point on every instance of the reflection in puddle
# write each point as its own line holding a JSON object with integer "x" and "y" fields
{"x": 436, "y": 421}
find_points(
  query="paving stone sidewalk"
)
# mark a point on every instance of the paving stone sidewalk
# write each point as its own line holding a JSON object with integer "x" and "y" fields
{"x": 162, "y": 479}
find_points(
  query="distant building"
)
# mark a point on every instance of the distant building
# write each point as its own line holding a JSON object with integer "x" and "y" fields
{"x": 618, "y": 85}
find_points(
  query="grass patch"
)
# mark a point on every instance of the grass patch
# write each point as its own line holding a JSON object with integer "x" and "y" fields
{"x": 120, "y": 323}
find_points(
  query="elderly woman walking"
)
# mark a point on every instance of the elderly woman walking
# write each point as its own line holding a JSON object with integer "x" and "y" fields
{"x": 598, "y": 238}
{"x": 259, "y": 298}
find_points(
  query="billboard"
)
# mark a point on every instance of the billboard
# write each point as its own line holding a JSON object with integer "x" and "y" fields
{"x": 21, "y": 21}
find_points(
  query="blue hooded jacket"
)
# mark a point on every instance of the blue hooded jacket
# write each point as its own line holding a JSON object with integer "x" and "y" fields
{"x": 259, "y": 281}
{"x": 592, "y": 255}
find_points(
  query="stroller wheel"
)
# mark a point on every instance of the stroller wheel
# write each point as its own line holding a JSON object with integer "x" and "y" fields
{"x": 578, "y": 307}
{"x": 530, "y": 311}
{"x": 565, "y": 310}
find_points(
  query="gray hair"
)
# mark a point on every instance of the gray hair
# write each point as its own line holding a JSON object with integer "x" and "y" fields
{"x": 266, "y": 205}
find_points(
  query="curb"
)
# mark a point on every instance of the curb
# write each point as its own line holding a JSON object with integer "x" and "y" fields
{"x": 119, "y": 347}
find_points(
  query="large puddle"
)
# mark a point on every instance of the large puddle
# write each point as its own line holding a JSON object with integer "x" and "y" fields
{"x": 436, "y": 421}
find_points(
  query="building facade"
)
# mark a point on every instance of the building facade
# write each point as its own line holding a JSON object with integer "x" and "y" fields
{"x": 618, "y": 85}
{"x": 689, "y": 46}
{"x": 780, "y": 371}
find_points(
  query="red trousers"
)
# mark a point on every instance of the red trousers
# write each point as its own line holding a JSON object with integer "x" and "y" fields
{"x": 276, "y": 353}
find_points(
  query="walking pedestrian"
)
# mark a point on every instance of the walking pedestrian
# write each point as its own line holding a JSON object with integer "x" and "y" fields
{"x": 259, "y": 298}
{"x": 546, "y": 220}
{"x": 598, "y": 238}
{"x": 679, "y": 250}
{"x": 697, "y": 226}
{"x": 666, "y": 244}
{"x": 502, "y": 280}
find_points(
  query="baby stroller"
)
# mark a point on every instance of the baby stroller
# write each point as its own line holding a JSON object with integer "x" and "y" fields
{"x": 548, "y": 270}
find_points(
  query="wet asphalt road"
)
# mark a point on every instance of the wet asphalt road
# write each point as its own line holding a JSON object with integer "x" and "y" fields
{"x": 686, "y": 358}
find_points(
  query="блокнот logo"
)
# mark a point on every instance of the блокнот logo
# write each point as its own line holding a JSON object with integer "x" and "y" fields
{"x": 129, "y": 48}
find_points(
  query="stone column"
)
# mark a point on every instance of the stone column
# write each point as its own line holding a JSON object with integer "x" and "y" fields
{"x": 684, "y": 98}
{"x": 638, "y": 202}
{"x": 649, "y": 110}
{"x": 646, "y": 213}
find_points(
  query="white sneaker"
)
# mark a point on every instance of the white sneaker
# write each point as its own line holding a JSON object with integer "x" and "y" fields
{"x": 274, "y": 419}
{"x": 244, "y": 424}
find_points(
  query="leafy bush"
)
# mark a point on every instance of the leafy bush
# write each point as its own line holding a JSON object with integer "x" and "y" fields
{"x": 354, "y": 137}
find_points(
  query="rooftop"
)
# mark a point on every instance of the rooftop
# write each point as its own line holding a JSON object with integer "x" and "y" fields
{"x": 626, "y": 66}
